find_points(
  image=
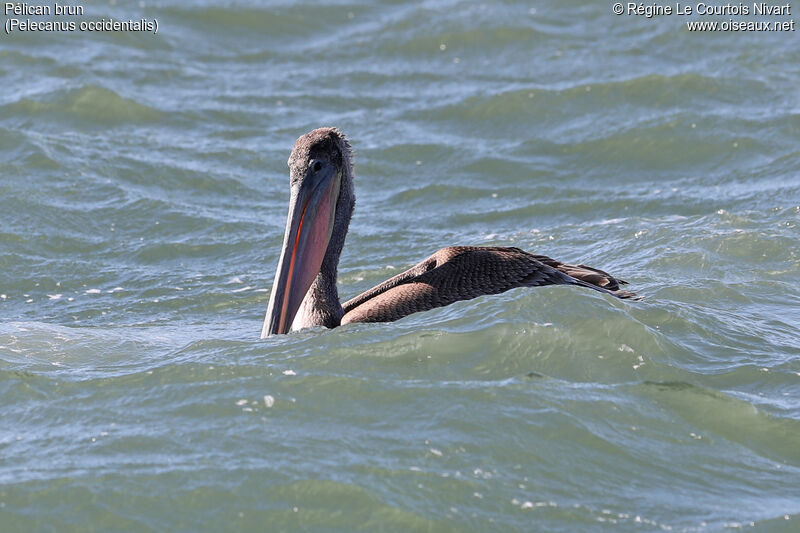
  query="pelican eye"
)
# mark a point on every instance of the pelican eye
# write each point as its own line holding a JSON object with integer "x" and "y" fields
{"x": 317, "y": 166}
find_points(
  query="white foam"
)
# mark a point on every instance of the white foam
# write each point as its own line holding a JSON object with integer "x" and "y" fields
{"x": 242, "y": 289}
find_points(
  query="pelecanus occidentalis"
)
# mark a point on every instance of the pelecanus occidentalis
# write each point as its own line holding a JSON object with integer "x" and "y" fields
{"x": 304, "y": 292}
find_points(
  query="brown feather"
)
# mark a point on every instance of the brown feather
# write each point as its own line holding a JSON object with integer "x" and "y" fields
{"x": 584, "y": 273}
{"x": 464, "y": 272}
{"x": 450, "y": 275}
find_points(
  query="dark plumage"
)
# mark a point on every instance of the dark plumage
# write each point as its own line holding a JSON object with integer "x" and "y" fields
{"x": 464, "y": 272}
{"x": 321, "y": 171}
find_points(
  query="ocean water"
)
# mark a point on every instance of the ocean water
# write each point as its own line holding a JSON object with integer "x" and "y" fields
{"x": 143, "y": 196}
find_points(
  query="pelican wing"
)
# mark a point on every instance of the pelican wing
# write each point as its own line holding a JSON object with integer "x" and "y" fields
{"x": 462, "y": 273}
{"x": 590, "y": 275}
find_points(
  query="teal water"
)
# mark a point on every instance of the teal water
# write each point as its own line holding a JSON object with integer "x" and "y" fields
{"x": 143, "y": 196}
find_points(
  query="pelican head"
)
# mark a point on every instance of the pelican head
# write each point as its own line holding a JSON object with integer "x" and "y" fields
{"x": 320, "y": 206}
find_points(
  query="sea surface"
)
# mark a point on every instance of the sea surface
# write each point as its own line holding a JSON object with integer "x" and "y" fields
{"x": 143, "y": 198}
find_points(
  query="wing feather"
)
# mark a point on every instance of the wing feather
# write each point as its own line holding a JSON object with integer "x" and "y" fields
{"x": 462, "y": 273}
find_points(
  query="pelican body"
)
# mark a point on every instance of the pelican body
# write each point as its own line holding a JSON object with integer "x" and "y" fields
{"x": 304, "y": 292}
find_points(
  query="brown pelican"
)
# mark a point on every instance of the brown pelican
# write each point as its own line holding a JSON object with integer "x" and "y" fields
{"x": 322, "y": 199}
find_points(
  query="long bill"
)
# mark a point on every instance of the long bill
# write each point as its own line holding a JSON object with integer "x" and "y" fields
{"x": 309, "y": 225}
